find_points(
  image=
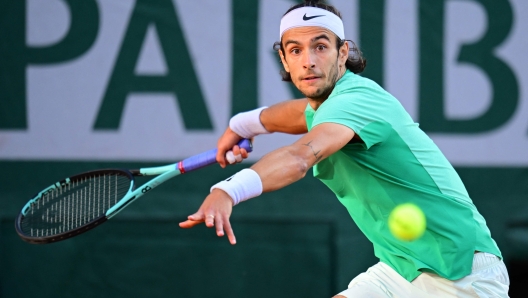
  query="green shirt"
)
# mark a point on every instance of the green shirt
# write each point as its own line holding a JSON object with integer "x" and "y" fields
{"x": 398, "y": 163}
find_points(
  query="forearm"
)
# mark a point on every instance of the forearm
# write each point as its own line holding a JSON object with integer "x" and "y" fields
{"x": 282, "y": 167}
{"x": 287, "y": 164}
{"x": 286, "y": 117}
{"x": 275, "y": 170}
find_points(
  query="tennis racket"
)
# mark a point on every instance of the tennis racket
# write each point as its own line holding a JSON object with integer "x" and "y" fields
{"x": 82, "y": 202}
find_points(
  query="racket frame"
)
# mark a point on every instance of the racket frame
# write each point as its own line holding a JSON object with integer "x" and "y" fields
{"x": 62, "y": 184}
{"x": 164, "y": 173}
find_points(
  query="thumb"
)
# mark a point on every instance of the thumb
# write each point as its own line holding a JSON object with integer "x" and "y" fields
{"x": 196, "y": 216}
{"x": 220, "y": 157}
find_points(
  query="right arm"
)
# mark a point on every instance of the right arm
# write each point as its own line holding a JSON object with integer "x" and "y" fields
{"x": 286, "y": 117}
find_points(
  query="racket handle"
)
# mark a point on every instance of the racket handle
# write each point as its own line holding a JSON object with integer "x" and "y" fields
{"x": 207, "y": 158}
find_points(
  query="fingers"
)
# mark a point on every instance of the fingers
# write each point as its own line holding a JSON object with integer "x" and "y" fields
{"x": 229, "y": 232}
{"x": 244, "y": 153}
{"x": 220, "y": 158}
{"x": 210, "y": 220}
{"x": 192, "y": 220}
{"x": 236, "y": 155}
{"x": 222, "y": 155}
{"x": 189, "y": 224}
{"x": 214, "y": 212}
{"x": 222, "y": 225}
{"x": 219, "y": 227}
{"x": 225, "y": 143}
{"x": 230, "y": 157}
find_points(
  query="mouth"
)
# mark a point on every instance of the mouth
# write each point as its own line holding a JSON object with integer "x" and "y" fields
{"x": 310, "y": 78}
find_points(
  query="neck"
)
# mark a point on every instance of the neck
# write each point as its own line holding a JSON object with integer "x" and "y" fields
{"x": 315, "y": 103}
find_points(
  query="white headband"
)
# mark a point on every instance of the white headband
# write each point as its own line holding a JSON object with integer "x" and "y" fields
{"x": 312, "y": 16}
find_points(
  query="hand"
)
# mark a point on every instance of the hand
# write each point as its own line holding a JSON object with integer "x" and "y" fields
{"x": 215, "y": 212}
{"x": 228, "y": 141}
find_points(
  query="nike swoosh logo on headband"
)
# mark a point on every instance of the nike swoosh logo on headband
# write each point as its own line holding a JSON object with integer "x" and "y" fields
{"x": 305, "y": 18}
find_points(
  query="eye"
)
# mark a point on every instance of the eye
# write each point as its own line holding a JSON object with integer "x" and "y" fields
{"x": 295, "y": 51}
{"x": 321, "y": 47}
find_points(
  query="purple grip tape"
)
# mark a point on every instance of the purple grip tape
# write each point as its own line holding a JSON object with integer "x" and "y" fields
{"x": 207, "y": 158}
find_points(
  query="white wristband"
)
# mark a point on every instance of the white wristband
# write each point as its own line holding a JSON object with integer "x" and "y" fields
{"x": 247, "y": 124}
{"x": 242, "y": 186}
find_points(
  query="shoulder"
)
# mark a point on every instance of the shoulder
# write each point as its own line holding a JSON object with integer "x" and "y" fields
{"x": 350, "y": 80}
{"x": 351, "y": 85}
{"x": 362, "y": 101}
{"x": 357, "y": 92}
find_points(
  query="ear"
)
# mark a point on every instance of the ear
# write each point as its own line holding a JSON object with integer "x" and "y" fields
{"x": 343, "y": 53}
{"x": 284, "y": 63}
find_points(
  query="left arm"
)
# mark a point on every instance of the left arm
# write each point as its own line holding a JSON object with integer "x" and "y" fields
{"x": 276, "y": 170}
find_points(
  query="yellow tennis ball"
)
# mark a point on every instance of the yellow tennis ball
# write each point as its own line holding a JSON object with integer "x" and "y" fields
{"x": 407, "y": 222}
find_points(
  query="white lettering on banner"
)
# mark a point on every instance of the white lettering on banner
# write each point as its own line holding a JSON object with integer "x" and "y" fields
{"x": 63, "y": 99}
{"x": 401, "y": 63}
{"x": 469, "y": 90}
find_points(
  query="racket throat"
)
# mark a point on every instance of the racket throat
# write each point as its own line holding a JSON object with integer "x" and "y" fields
{"x": 145, "y": 188}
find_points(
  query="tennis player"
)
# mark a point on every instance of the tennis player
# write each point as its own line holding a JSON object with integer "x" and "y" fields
{"x": 365, "y": 147}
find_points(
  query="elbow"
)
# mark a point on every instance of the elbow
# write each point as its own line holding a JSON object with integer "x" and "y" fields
{"x": 301, "y": 163}
{"x": 303, "y": 167}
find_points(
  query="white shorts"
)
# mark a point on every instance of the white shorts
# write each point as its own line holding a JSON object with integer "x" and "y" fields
{"x": 488, "y": 278}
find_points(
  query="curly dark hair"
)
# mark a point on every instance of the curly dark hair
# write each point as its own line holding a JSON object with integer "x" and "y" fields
{"x": 356, "y": 63}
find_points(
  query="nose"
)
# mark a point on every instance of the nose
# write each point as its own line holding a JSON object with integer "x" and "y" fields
{"x": 308, "y": 60}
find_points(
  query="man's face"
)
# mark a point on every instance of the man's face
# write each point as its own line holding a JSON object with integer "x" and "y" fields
{"x": 311, "y": 57}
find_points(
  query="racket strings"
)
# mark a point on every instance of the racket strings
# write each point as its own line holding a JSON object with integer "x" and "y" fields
{"x": 74, "y": 205}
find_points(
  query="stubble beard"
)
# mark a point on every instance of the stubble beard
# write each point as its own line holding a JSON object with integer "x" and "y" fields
{"x": 322, "y": 93}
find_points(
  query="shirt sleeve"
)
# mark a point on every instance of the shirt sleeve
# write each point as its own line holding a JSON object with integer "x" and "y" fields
{"x": 361, "y": 111}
